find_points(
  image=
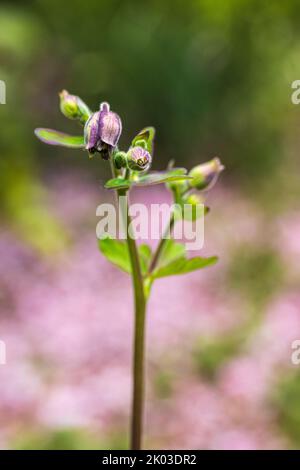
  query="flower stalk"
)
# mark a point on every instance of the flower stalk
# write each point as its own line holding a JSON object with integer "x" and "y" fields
{"x": 137, "y": 406}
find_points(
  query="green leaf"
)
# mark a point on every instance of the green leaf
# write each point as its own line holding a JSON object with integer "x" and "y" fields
{"x": 116, "y": 252}
{"x": 144, "y": 180}
{"x": 177, "y": 171}
{"x": 117, "y": 183}
{"x": 53, "y": 137}
{"x": 145, "y": 257}
{"x": 146, "y": 135}
{"x": 158, "y": 178}
{"x": 183, "y": 265}
{"x": 170, "y": 252}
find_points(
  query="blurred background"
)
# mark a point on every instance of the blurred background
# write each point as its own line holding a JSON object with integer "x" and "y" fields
{"x": 214, "y": 78}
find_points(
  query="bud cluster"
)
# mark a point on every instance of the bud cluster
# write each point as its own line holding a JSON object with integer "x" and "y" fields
{"x": 102, "y": 131}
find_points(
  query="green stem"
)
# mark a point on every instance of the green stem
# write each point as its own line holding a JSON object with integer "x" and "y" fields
{"x": 166, "y": 234}
{"x": 138, "y": 374}
{"x": 161, "y": 244}
{"x": 139, "y": 336}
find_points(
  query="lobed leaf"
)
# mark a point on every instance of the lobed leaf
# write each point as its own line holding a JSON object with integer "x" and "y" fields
{"x": 116, "y": 252}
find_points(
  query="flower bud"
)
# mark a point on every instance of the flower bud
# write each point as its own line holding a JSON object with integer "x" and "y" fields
{"x": 110, "y": 126}
{"x": 91, "y": 133}
{"x": 206, "y": 175}
{"x": 120, "y": 160}
{"x": 102, "y": 131}
{"x": 138, "y": 159}
{"x": 73, "y": 107}
{"x": 192, "y": 206}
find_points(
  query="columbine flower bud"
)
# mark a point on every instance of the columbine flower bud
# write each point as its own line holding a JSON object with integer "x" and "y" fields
{"x": 138, "y": 159}
{"x": 206, "y": 175}
{"x": 73, "y": 107}
{"x": 102, "y": 131}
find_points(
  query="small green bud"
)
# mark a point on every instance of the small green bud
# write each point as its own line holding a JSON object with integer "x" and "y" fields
{"x": 192, "y": 206}
{"x": 73, "y": 107}
{"x": 120, "y": 160}
{"x": 206, "y": 175}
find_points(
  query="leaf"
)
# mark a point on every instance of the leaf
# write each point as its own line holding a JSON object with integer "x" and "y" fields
{"x": 145, "y": 257}
{"x": 170, "y": 252}
{"x": 53, "y": 137}
{"x": 144, "y": 180}
{"x": 116, "y": 252}
{"x": 158, "y": 177}
{"x": 177, "y": 171}
{"x": 117, "y": 183}
{"x": 183, "y": 265}
{"x": 147, "y": 136}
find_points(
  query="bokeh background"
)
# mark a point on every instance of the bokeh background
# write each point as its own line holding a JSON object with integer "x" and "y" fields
{"x": 214, "y": 78}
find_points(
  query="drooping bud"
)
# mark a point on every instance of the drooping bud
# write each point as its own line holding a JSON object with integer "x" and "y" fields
{"x": 110, "y": 125}
{"x": 102, "y": 131}
{"x": 91, "y": 133}
{"x": 73, "y": 107}
{"x": 138, "y": 159}
{"x": 206, "y": 175}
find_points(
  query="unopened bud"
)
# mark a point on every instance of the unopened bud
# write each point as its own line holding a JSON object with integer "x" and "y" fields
{"x": 206, "y": 175}
{"x": 138, "y": 159}
{"x": 120, "y": 160}
{"x": 193, "y": 207}
{"x": 102, "y": 131}
{"x": 73, "y": 107}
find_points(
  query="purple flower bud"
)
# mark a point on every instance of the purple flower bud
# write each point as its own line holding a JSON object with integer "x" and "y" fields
{"x": 206, "y": 175}
{"x": 110, "y": 125}
{"x": 91, "y": 133}
{"x": 102, "y": 131}
{"x": 138, "y": 159}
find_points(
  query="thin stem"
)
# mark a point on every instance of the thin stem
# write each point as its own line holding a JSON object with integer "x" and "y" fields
{"x": 161, "y": 244}
{"x": 139, "y": 335}
{"x": 138, "y": 374}
{"x": 166, "y": 234}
